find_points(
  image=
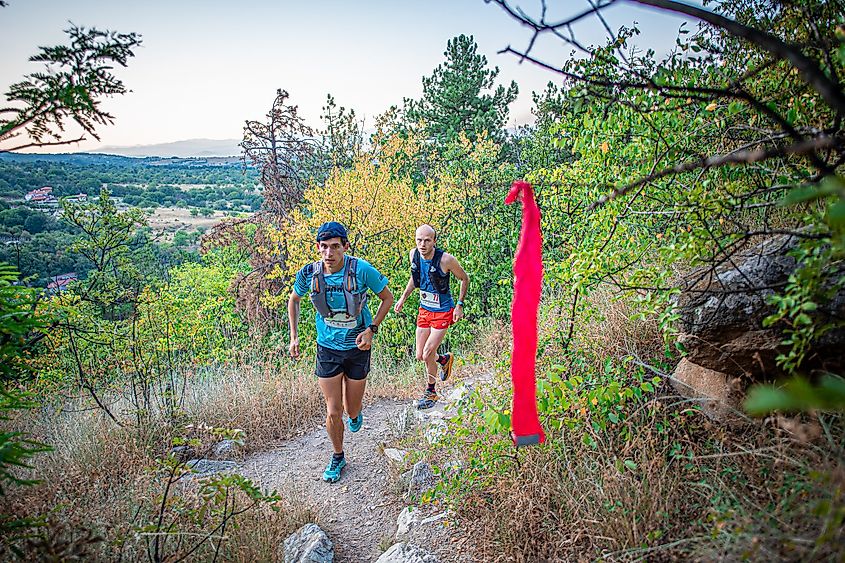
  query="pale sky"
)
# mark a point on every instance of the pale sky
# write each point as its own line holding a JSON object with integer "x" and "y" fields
{"x": 207, "y": 66}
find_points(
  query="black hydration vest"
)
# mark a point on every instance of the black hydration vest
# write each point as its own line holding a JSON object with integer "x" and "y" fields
{"x": 355, "y": 301}
{"x": 439, "y": 278}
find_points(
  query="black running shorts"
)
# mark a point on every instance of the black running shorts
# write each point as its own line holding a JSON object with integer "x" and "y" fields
{"x": 354, "y": 363}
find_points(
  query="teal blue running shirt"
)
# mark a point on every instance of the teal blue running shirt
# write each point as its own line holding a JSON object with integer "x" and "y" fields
{"x": 368, "y": 279}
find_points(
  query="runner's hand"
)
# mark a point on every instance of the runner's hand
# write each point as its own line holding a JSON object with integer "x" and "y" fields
{"x": 364, "y": 341}
{"x": 458, "y": 313}
{"x": 293, "y": 347}
{"x": 398, "y": 306}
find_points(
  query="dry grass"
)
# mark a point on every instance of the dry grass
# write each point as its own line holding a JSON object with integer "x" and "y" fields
{"x": 605, "y": 327}
{"x": 753, "y": 497}
{"x": 270, "y": 399}
{"x": 176, "y": 218}
{"x": 260, "y": 534}
{"x": 692, "y": 490}
{"x": 391, "y": 379}
{"x": 98, "y": 478}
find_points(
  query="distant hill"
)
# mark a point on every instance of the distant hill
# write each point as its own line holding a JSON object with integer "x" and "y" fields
{"x": 113, "y": 160}
{"x": 189, "y": 148}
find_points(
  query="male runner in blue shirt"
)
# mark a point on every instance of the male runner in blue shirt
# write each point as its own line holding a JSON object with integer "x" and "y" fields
{"x": 338, "y": 286}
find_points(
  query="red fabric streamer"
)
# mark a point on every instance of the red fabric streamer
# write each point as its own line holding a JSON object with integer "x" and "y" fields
{"x": 528, "y": 281}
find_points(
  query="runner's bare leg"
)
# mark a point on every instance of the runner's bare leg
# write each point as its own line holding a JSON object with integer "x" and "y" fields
{"x": 430, "y": 352}
{"x": 353, "y": 395}
{"x": 332, "y": 388}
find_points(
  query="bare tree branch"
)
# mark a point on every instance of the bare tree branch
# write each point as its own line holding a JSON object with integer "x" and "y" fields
{"x": 739, "y": 157}
{"x": 810, "y": 71}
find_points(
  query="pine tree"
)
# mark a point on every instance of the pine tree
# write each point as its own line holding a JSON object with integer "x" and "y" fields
{"x": 460, "y": 96}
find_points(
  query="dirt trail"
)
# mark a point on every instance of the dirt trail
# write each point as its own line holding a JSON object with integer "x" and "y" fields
{"x": 359, "y": 512}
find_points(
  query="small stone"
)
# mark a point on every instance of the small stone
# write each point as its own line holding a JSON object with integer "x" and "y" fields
{"x": 456, "y": 394}
{"x": 224, "y": 449}
{"x": 452, "y": 467}
{"x": 182, "y": 452}
{"x": 395, "y": 455}
{"x": 404, "y": 421}
{"x": 407, "y": 518}
{"x": 210, "y": 467}
{"x": 309, "y": 544}
{"x": 434, "y": 518}
{"x": 422, "y": 478}
{"x": 406, "y": 553}
{"x": 435, "y": 430}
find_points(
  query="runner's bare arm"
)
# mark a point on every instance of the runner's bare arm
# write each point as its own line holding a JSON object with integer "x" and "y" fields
{"x": 386, "y": 297}
{"x": 293, "y": 323}
{"x": 364, "y": 341}
{"x": 451, "y": 265}
{"x": 409, "y": 289}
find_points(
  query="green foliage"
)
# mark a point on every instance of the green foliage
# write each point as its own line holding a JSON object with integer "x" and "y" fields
{"x": 797, "y": 306}
{"x": 107, "y": 234}
{"x": 460, "y": 96}
{"x": 798, "y": 394}
{"x": 15, "y": 449}
{"x": 193, "y": 315}
{"x": 18, "y": 323}
{"x": 75, "y": 78}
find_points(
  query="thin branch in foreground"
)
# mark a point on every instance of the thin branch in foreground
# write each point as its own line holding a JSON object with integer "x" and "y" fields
{"x": 741, "y": 157}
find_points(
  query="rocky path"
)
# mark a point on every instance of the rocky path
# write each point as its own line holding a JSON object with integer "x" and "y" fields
{"x": 369, "y": 511}
{"x": 359, "y": 512}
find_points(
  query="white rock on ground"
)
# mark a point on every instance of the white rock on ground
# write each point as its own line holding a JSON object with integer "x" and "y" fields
{"x": 456, "y": 394}
{"x": 435, "y": 430}
{"x": 432, "y": 519}
{"x": 396, "y": 456}
{"x": 309, "y": 544}
{"x": 406, "y": 553}
{"x": 407, "y": 518}
{"x": 404, "y": 421}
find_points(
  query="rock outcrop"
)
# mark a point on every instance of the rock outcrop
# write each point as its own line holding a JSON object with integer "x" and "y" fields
{"x": 721, "y": 323}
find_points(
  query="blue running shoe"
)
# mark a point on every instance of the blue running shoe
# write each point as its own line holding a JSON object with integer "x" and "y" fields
{"x": 356, "y": 423}
{"x": 333, "y": 469}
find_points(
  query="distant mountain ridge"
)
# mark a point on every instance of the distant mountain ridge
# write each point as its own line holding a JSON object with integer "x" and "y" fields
{"x": 187, "y": 148}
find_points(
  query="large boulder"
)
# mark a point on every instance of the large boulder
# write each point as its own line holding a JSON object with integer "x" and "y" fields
{"x": 309, "y": 544}
{"x": 722, "y": 311}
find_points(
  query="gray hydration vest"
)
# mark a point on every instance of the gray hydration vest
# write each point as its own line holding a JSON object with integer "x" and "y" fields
{"x": 355, "y": 300}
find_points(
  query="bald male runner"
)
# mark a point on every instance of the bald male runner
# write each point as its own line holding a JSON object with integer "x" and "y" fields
{"x": 431, "y": 269}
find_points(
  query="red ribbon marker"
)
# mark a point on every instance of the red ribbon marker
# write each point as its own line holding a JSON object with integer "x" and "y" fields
{"x": 528, "y": 281}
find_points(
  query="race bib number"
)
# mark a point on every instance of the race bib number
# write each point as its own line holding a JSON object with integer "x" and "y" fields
{"x": 341, "y": 320}
{"x": 429, "y": 299}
